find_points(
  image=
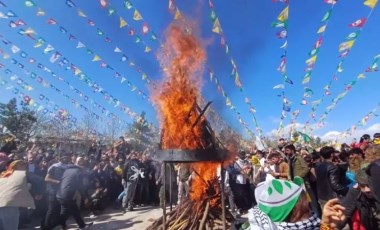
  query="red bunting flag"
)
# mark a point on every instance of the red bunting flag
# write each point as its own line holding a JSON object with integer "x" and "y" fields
{"x": 90, "y": 22}
{"x": 103, "y": 3}
{"x": 145, "y": 28}
{"x": 358, "y": 23}
{"x": 51, "y": 21}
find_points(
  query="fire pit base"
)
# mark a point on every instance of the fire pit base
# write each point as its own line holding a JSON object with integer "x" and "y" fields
{"x": 194, "y": 216}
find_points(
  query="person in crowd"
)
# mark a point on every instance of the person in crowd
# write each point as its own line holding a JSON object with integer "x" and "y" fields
{"x": 372, "y": 153}
{"x": 168, "y": 170}
{"x": 14, "y": 194}
{"x": 183, "y": 181}
{"x": 282, "y": 204}
{"x": 360, "y": 205}
{"x": 328, "y": 178}
{"x": 364, "y": 142}
{"x": 281, "y": 144}
{"x": 228, "y": 184}
{"x": 122, "y": 147}
{"x": 130, "y": 180}
{"x": 376, "y": 139}
{"x": 297, "y": 165}
{"x": 53, "y": 180}
{"x": 71, "y": 183}
{"x": 280, "y": 167}
{"x": 355, "y": 162}
{"x": 241, "y": 187}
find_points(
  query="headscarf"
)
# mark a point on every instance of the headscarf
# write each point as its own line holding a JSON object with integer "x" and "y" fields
{"x": 277, "y": 198}
{"x": 11, "y": 168}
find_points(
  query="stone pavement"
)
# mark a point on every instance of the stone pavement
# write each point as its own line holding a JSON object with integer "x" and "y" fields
{"x": 110, "y": 219}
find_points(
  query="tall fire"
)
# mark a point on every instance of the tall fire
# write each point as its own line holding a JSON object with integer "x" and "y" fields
{"x": 188, "y": 135}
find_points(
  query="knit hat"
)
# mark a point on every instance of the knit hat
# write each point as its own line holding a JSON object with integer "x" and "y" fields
{"x": 277, "y": 198}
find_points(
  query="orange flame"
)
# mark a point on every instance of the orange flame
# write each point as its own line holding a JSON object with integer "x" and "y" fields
{"x": 182, "y": 58}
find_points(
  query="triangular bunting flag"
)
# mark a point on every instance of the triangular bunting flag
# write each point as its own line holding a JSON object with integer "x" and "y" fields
{"x": 96, "y": 58}
{"x": 321, "y": 29}
{"x": 29, "y": 3}
{"x": 40, "y": 12}
{"x": 117, "y": 50}
{"x": 177, "y": 15}
{"x": 284, "y": 14}
{"x": 122, "y": 22}
{"x": 147, "y": 49}
{"x": 216, "y": 27}
{"x": 81, "y": 14}
{"x": 80, "y": 45}
{"x": 137, "y": 16}
{"x": 145, "y": 28}
{"x": 370, "y": 3}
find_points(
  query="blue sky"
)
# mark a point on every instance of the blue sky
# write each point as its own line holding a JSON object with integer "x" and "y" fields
{"x": 253, "y": 45}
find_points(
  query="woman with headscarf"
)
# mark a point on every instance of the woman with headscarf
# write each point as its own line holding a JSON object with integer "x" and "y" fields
{"x": 14, "y": 194}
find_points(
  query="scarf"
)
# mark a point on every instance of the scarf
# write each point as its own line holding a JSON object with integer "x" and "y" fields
{"x": 258, "y": 220}
{"x": 11, "y": 168}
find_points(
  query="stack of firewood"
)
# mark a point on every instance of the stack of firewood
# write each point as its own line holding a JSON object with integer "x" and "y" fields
{"x": 197, "y": 215}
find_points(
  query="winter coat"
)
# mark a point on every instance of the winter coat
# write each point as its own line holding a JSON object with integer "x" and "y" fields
{"x": 15, "y": 191}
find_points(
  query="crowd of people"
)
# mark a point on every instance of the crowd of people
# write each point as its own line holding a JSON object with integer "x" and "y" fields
{"x": 288, "y": 187}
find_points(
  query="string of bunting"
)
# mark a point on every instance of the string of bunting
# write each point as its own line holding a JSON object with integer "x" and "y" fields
{"x": 123, "y": 23}
{"x": 348, "y": 87}
{"x": 344, "y": 51}
{"x": 310, "y": 64}
{"x": 217, "y": 28}
{"x": 46, "y": 84}
{"x": 362, "y": 122}
{"x": 93, "y": 56}
{"x": 123, "y": 56}
{"x": 214, "y": 78}
{"x": 67, "y": 65}
{"x": 282, "y": 24}
{"x": 60, "y": 112}
{"x": 42, "y": 81}
{"x": 107, "y": 98}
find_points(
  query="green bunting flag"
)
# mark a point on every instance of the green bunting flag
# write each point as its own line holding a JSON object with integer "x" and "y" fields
{"x": 212, "y": 16}
{"x": 326, "y": 16}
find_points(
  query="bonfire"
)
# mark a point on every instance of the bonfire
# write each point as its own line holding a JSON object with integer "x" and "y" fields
{"x": 186, "y": 130}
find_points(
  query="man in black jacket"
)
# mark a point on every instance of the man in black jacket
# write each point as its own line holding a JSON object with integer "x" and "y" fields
{"x": 72, "y": 182}
{"x": 130, "y": 179}
{"x": 328, "y": 182}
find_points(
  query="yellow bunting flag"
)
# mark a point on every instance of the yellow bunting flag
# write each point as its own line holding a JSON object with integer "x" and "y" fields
{"x": 370, "y": 3}
{"x": 177, "y": 14}
{"x": 346, "y": 45}
{"x": 217, "y": 28}
{"x": 321, "y": 29}
{"x": 96, "y": 58}
{"x": 137, "y": 16}
{"x": 283, "y": 16}
{"x": 144, "y": 76}
{"x": 147, "y": 49}
{"x": 122, "y": 22}
{"x": 311, "y": 60}
{"x": 361, "y": 76}
{"x": 29, "y": 31}
{"x": 77, "y": 71}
